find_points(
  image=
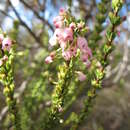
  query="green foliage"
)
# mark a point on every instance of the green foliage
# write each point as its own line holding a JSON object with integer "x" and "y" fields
{"x": 100, "y": 69}
{"x": 7, "y": 79}
{"x": 52, "y": 89}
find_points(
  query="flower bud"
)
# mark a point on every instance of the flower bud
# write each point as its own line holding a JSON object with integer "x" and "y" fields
{"x": 48, "y": 60}
{"x": 81, "y": 76}
{"x": 6, "y": 44}
{"x": 1, "y": 38}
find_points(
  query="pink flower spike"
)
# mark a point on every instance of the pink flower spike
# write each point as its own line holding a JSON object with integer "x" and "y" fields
{"x": 81, "y": 76}
{"x": 6, "y": 44}
{"x": 48, "y": 60}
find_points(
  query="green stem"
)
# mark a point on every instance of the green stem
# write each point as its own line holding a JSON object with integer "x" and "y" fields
{"x": 101, "y": 16}
{"x": 9, "y": 93}
{"x": 99, "y": 74}
{"x": 59, "y": 94}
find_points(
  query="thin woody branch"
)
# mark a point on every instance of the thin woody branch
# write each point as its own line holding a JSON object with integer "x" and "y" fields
{"x": 25, "y": 25}
{"x": 38, "y": 16}
{"x": 6, "y": 14}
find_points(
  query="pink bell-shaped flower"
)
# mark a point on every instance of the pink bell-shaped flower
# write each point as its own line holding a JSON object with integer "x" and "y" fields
{"x": 6, "y": 44}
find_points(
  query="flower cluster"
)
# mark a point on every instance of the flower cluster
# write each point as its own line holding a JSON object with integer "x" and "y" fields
{"x": 5, "y": 44}
{"x": 7, "y": 78}
{"x": 69, "y": 35}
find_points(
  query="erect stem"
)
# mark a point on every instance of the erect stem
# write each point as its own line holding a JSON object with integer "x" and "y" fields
{"x": 59, "y": 93}
{"x": 99, "y": 73}
{"x": 9, "y": 93}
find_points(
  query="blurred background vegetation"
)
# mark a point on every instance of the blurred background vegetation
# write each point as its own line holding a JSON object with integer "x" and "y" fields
{"x": 29, "y": 23}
